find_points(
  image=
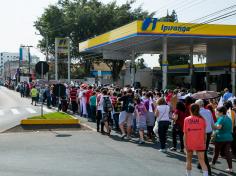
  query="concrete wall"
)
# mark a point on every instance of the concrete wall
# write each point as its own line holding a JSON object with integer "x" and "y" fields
{"x": 144, "y": 76}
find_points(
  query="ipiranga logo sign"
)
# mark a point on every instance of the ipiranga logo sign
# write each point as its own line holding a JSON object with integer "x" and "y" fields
{"x": 150, "y": 25}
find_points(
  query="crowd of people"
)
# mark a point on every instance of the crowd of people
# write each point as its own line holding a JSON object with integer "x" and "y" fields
{"x": 195, "y": 122}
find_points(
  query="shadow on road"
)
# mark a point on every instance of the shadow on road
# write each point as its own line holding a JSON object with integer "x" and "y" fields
{"x": 63, "y": 135}
{"x": 60, "y": 134}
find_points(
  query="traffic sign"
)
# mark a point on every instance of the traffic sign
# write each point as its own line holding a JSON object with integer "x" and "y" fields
{"x": 59, "y": 90}
{"x": 42, "y": 67}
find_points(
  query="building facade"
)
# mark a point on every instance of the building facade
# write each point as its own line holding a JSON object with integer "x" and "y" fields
{"x": 10, "y": 64}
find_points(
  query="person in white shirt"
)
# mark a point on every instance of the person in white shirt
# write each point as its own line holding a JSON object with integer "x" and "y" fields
{"x": 106, "y": 105}
{"x": 163, "y": 119}
{"x": 82, "y": 99}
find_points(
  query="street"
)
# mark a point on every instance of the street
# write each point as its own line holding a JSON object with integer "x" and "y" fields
{"x": 76, "y": 153}
{"x": 13, "y": 108}
{"x": 87, "y": 153}
{"x": 82, "y": 153}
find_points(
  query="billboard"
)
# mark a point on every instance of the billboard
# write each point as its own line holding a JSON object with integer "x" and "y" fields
{"x": 62, "y": 45}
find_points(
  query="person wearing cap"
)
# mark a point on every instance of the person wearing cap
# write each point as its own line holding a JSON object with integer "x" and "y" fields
{"x": 207, "y": 115}
{"x": 227, "y": 95}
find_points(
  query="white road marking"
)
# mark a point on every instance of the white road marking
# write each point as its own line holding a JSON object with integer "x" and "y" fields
{"x": 1, "y": 113}
{"x": 30, "y": 110}
{"x": 15, "y": 111}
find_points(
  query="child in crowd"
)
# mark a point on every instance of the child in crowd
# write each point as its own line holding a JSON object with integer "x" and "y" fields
{"x": 140, "y": 113}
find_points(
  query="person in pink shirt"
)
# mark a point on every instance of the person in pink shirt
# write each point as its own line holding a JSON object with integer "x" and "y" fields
{"x": 195, "y": 128}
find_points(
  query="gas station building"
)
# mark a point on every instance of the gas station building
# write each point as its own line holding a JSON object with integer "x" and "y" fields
{"x": 216, "y": 42}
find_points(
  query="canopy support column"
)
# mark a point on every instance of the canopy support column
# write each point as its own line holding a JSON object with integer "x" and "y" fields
{"x": 191, "y": 66}
{"x": 164, "y": 64}
{"x": 132, "y": 73}
{"x": 233, "y": 64}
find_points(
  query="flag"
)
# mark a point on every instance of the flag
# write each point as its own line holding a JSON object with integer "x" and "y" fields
{"x": 21, "y": 55}
{"x": 221, "y": 102}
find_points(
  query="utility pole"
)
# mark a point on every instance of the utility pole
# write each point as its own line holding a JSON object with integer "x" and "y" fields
{"x": 46, "y": 47}
{"x": 69, "y": 62}
{"x": 46, "y": 36}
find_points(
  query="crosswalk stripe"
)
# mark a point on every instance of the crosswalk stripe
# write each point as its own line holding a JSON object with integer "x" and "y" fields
{"x": 30, "y": 110}
{"x": 1, "y": 113}
{"x": 47, "y": 110}
{"x": 15, "y": 111}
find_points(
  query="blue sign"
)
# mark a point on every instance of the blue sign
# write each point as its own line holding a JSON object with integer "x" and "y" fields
{"x": 147, "y": 22}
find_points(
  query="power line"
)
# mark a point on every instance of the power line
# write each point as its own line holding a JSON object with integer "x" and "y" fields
{"x": 214, "y": 13}
{"x": 172, "y": 4}
{"x": 187, "y": 6}
{"x": 212, "y": 20}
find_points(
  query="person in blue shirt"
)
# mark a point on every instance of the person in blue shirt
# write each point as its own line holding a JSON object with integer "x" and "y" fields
{"x": 227, "y": 95}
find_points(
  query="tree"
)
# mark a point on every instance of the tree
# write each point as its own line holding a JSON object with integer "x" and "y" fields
{"x": 83, "y": 19}
{"x": 140, "y": 64}
{"x": 115, "y": 66}
{"x": 175, "y": 59}
{"x": 170, "y": 18}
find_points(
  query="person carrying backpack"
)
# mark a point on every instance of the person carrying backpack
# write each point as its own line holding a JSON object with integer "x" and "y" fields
{"x": 107, "y": 108}
{"x": 126, "y": 115}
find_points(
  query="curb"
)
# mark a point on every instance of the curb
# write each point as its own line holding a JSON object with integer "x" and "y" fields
{"x": 50, "y": 122}
{"x": 73, "y": 121}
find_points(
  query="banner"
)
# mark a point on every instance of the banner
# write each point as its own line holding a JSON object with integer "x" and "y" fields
{"x": 62, "y": 45}
{"x": 24, "y": 79}
{"x": 21, "y": 55}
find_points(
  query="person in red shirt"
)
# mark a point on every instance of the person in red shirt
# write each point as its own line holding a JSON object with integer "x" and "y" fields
{"x": 210, "y": 107}
{"x": 88, "y": 94}
{"x": 178, "y": 117}
{"x": 188, "y": 101}
{"x": 195, "y": 138}
{"x": 73, "y": 99}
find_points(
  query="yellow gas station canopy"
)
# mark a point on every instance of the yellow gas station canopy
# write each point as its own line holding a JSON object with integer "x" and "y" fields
{"x": 146, "y": 37}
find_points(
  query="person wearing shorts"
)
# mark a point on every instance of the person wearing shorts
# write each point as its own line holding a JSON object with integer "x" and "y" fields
{"x": 140, "y": 113}
{"x": 126, "y": 117}
{"x": 195, "y": 128}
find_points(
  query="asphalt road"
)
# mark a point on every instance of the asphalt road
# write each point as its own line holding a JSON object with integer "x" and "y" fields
{"x": 13, "y": 108}
{"x": 87, "y": 153}
{"x": 74, "y": 153}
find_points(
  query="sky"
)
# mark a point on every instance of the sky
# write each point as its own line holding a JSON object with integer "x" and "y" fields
{"x": 17, "y": 18}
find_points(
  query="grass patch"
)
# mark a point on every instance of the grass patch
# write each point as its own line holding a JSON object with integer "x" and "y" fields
{"x": 53, "y": 116}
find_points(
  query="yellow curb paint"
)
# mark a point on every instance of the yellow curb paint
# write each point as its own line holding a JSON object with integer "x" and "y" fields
{"x": 50, "y": 122}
